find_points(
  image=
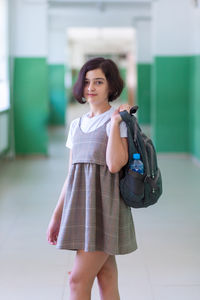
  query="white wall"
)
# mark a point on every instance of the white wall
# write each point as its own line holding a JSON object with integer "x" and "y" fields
{"x": 57, "y": 44}
{"x": 144, "y": 41}
{"x": 29, "y": 28}
{"x": 196, "y": 29}
{"x": 173, "y": 27}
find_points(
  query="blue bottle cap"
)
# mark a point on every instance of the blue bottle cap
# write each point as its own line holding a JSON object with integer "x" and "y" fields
{"x": 136, "y": 155}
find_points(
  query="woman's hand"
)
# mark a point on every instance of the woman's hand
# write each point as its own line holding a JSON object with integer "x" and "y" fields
{"x": 53, "y": 230}
{"x": 116, "y": 116}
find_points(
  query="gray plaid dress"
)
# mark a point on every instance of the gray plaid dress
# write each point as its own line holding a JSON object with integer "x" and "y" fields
{"x": 94, "y": 217}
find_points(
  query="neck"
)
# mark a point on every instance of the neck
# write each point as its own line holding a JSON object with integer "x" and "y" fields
{"x": 97, "y": 110}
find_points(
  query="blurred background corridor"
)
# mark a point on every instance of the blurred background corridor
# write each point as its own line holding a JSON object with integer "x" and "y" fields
{"x": 43, "y": 45}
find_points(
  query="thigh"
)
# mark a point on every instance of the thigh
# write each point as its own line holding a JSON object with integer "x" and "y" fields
{"x": 87, "y": 264}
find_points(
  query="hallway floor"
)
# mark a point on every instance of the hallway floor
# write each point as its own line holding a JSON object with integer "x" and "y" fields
{"x": 166, "y": 265}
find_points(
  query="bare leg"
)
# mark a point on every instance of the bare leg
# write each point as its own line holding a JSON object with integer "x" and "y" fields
{"x": 108, "y": 280}
{"x": 85, "y": 269}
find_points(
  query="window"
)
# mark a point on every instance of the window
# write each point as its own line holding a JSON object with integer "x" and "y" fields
{"x": 4, "y": 78}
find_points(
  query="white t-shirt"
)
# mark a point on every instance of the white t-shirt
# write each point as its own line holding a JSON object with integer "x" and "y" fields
{"x": 90, "y": 124}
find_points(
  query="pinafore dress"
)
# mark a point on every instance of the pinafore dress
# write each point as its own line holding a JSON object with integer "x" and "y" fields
{"x": 94, "y": 216}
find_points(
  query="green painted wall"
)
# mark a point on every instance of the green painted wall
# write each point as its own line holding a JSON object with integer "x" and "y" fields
{"x": 195, "y": 106}
{"x": 30, "y": 104}
{"x": 143, "y": 93}
{"x": 170, "y": 103}
{"x": 57, "y": 94}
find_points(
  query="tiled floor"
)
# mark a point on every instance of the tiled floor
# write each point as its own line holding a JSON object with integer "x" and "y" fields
{"x": 166, "y": 265}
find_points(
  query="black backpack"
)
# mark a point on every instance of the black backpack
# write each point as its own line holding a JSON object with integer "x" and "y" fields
{"x": 139, "y": 190}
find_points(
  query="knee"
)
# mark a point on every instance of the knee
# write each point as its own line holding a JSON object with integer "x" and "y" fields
{"x": 75, "y": 281}
{"x": 78, "y": 282}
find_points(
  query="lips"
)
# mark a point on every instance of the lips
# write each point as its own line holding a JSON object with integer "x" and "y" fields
{"x": 91, "y": 94}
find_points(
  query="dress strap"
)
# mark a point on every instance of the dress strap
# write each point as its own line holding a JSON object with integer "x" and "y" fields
{"x": 79, "y": 123}
{"x": 107, "y": 121}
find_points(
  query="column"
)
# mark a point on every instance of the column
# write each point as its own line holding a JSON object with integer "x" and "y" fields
{"x": 171, "y": 74}
{"x": 144, "y": 66}
{"x": 57, "y": 71}
{"x": 30, "y": 86}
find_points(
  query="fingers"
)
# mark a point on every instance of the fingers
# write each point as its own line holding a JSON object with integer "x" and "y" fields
{"x": 53, "y": 241}
{"x": 52, "y": 238}
{"x": 125, "y": 107}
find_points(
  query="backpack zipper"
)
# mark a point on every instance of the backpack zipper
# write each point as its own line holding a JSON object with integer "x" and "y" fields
{"x": 152, "y": 160}
{"x": 151, "y": 154}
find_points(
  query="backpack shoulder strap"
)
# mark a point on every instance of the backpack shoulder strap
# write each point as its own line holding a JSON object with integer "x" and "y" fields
{"x": 135, "y": 139}
{"x": 126, "y": 117}
{"x": 131, "y": 121}
{"x": 131, "y": 132}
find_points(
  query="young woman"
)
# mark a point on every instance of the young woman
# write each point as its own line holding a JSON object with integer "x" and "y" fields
{"x": 90, "y": 216}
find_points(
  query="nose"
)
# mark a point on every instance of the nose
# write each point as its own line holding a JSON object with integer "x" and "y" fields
{"x": 91, "y": 87}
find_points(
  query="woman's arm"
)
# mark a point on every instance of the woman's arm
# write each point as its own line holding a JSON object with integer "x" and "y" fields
{"x": 117, "y": 147}
{"x": 54, "y": 224}
{"x": 59, "y": 207}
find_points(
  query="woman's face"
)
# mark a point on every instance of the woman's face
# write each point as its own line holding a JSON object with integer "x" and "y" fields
{"x": 96, "y": 87}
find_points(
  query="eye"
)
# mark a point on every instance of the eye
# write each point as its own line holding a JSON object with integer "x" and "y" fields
{"x": 99, "y": 82}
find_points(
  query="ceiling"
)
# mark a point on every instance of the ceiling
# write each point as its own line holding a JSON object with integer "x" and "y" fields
{"x": 99, "y": 5}
{"x": 104, "y": 13}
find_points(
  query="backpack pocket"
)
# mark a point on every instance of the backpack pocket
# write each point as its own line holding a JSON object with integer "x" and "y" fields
{"x": 132, "y": 188}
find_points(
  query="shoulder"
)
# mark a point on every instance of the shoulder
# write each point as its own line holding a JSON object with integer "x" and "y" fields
{"x": 122, "y": 123}
{"x": 122, "y": 126}
{"x": 73, "y": 125}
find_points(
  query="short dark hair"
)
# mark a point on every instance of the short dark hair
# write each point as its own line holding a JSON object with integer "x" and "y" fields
{"x": 111, "y": 72}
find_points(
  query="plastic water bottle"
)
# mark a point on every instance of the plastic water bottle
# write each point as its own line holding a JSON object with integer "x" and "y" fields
{"x": 137, "y": 164}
